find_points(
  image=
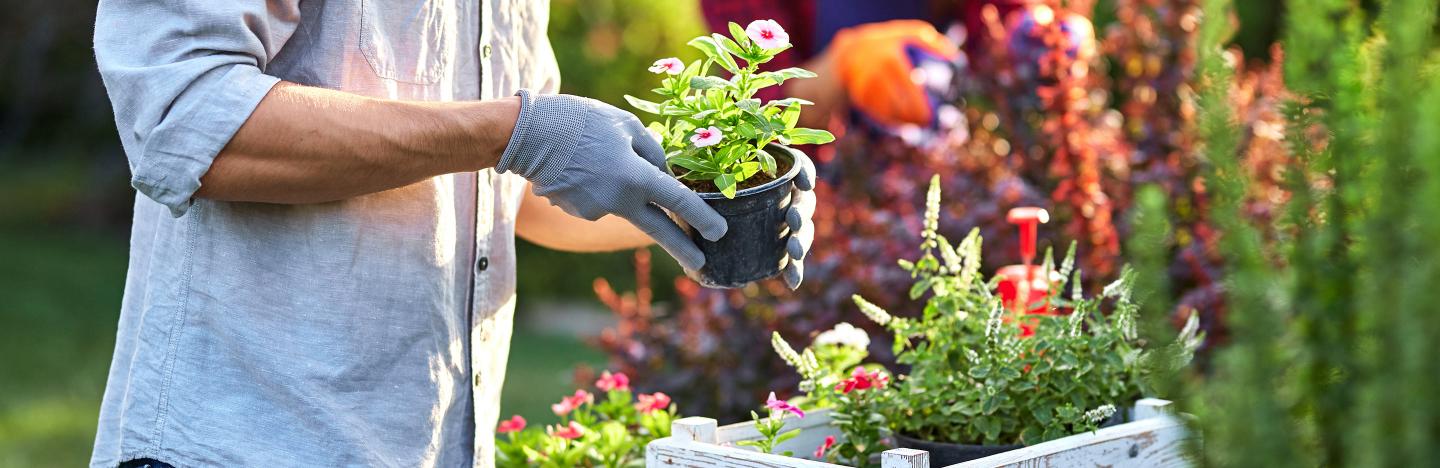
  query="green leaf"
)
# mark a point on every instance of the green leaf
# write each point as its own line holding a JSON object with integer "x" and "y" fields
{"x": 779, "y": 76}
{"x": 712, "y": 49}
{"x": 730, "y": 45}
{"x": 739, "y": 34}
{"x": 787, "y": 435}
{"x": 642, "y": 104}
{"x": 708, "y": 82}
{"x": 748, "y": 169}
{"x": 808, "y": 136}
{"x": 749, "y": 105}
{"x": 767, "y": 162}
{"x": 747, "y": 131}
{"x": 789, "y": 102}
{"x": 726, "y": 184}
{"x": 693, "y": 163}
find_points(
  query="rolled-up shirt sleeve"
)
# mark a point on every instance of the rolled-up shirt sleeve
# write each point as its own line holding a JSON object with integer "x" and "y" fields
{"x": 182, "y": 76}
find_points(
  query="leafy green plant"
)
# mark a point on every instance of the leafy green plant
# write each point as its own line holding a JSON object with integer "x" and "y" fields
{"x": 974, "y": 379}
{"x": 609, "y": 433}
{"x": 714, "y": 129}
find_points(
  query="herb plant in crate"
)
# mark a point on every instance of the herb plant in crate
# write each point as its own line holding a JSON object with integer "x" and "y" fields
{"x": 733, "y": 149}
{"x": 977, "y": 385}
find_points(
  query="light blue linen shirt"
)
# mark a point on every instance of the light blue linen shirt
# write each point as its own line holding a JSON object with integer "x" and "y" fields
{"x": 371, "y": 331}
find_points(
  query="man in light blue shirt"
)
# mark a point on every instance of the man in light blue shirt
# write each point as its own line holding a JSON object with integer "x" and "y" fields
{"x": 322, "y": 265}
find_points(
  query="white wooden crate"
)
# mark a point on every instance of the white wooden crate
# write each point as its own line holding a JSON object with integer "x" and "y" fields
{"x": 1153, "y": 439}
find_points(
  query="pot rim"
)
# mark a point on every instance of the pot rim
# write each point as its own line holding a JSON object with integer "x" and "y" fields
{"x": 789, "y": 175}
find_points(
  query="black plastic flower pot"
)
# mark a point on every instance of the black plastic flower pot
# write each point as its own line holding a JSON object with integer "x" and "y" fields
{"x": 753, "y": 247}
{"x": 946, "y": 454}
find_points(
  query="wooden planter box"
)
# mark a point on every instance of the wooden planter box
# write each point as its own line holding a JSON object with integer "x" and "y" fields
{"x": 1153, "y": 439}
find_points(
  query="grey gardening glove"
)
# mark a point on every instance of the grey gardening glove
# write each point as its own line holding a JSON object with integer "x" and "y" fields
{"x": 802, "y": 232}
{"x": 592, "y": 159}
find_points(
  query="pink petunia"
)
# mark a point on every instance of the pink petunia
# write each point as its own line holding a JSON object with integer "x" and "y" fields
{"x": 613, "y": 382}
{"x": 668, "y": 65}
{"x": 572, "y": 431}
{"x": 767, "y": 34}
{"x": 706, "y": 136}
{"x": 514, "y": 424}
{"x": 657, "y": 401}
{"x": 778, "y": 404}
{"x": 824, "y": 447}
{"x": 570, "y": 403}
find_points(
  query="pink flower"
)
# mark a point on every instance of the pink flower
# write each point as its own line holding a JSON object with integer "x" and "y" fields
{"x": 778, "y": 404}
{"x": 706, "y": 136}
{"x": 515, "y": 424}
{"x": 572, "y": 431}
{"x": 669, "y": 65}
{"x": 767, "y": 34}
{"x": 657, "y": 401}
{"x": 862, "y": 379}
{"x": 570, "y": 403}
{"x": 612, "y": 382}
{"x": 824, "y": 447}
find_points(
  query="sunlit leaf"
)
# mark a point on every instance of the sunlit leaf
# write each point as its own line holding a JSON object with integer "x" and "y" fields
{"x": 726, "y": 184}
{"x": 808, "y": 136}
{"x": 712, "y": 49}
{"x": 642, "y": 104}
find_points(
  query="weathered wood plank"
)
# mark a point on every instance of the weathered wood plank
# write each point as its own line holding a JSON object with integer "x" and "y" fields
{"x": 905, "y": 458}
{"x": 1151, "y": 442}
{"x": 669, "y": 452}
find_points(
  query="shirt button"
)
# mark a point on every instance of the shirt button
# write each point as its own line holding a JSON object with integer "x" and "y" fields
{"x": 482, "y": 264}
{"x": 485, "y": 51}
{"x": 477, "y": 379}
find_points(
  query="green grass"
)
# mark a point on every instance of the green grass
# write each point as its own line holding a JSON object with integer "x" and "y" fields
{"x": 59, "y": 300}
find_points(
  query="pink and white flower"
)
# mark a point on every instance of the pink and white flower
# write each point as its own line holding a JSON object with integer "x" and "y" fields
{"x": 613, "y": 382}
{"x": 781, "y": 405}
{"x": 570, "y": 403}
{"x": 706, "y": 136}
{"x": 668, "y": 65}
{"x": 514, "y": 424}
{"x": 571, "y": 431}
{"x": 657, "y": 401}
{"x": 767, "y": 34}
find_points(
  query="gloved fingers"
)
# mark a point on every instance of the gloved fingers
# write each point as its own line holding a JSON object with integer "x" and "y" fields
{"x": 645, "y": 145}
{"x": 653, "y": 222}
{"x": 674, "y": 196}
{"x": 802, "y": 208}
{"x": 798, "y": 246}
{"x": 806, "y": 179}
{"x": 793, "y": 274}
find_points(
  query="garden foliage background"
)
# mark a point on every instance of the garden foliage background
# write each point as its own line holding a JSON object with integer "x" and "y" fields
{"x": 64, "y": 214}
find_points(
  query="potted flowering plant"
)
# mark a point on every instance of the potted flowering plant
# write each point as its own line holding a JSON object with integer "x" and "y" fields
{"x": 731, "y": 148}
{"x": 611, "y": 432}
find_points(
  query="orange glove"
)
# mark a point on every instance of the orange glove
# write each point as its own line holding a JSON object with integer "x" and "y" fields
{"x": 874, "y": 64}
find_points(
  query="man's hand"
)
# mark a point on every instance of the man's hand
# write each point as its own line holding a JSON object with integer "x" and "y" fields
{"x": 592, "y": 159}
{"x": 802, "y": 232}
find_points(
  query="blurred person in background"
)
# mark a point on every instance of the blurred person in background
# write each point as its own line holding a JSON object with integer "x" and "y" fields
{"x": 322, "y": 261}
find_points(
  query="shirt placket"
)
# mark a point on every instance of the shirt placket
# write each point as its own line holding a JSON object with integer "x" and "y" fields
{"x": 484, "y": 225}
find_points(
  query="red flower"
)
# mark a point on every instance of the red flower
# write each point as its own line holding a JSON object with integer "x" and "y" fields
{"x": 572, "y": 431}
{"x": 657, "y": 401}
{"x": 824, "y": 446}
{"x": 612, "y": 382}
{"x": 570, "y": 403}
{"x": 862, "y": 379}
{"x": 515, "y": 424}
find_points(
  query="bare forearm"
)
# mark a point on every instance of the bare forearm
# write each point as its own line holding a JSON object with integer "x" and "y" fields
{"x": 311, "y": 145}
{"x": 550, "y": 227}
